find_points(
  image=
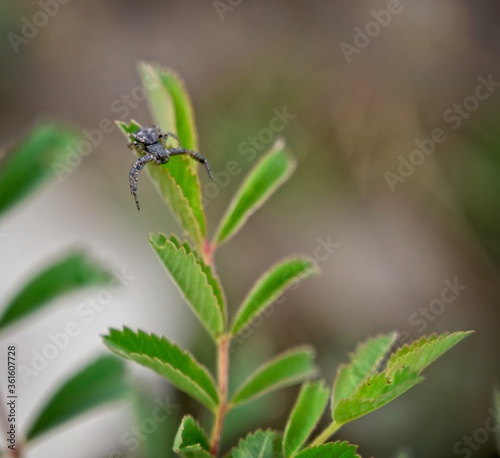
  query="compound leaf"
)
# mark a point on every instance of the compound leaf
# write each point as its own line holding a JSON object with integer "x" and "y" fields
{"x": 167, "y": 359}
{"x": 266, "y": 177}
{"x": 286, "y": 369}
{"x": 363, "y": 387}
{"x": 34, "y": 161}
{"x": 364, "y": 363}
{"x": 269, "y": 287}
{"x": 195, "y": 280}
{"x": 260, "y": 444}
{"x": 330, "y": 450}
{"x": 305, "y": 415}
{"x": 99, "y": 383}
{"x": 75, "y": 270}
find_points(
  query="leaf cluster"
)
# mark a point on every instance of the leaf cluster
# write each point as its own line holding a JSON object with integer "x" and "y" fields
{"x": 375, "y": 375}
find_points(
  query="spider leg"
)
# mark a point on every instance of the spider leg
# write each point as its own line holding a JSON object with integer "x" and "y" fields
{"x": 134, "y": 175}
{"x": 196, "y": 156}
{"x": 135, "y": 145}
{"x": 164, "y": 137}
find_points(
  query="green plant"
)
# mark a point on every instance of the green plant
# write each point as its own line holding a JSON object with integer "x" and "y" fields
{"x": 24, "y": 170}
{"x": 375, "y": 375}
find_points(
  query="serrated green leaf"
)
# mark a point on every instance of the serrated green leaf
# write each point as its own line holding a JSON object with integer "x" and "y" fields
{"x": 160, "y": 101}
{"x": 172, "y": 110}
{"x": 170, "y": 191}
{"x": 213, "y": 280}
{"x": 261, "y": 444}
{"x": 269, "y": 287}
{"x": 375, "y": 392}
{"x": 32, "y": 162}
{"x": 364, "y": 363}
{"x": 101, "y": 382}
{"x": 183, "y": 107}
{"x": 167, "y": 359}
{"x": 305, "y": 416}
{"x": 401, "y": 373}
{"x": 421, "y": 353}
{"x": 286, "y": 369}
{"x": 264, "y": 179}
{"x": 195, "y": 280}
{"x": 127, "y": 129}
{"x": 187, "y": 133}
{"x": 330, "y": 450}
{"x": 76, "y": 270}
{"x": 190, "y": 433}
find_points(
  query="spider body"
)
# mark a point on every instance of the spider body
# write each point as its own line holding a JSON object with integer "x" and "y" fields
{"x": 151, "y": 142}
{"x": 148, "y": 135}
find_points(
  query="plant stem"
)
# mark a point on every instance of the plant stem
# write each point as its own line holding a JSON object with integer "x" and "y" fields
{"x": 222, "y": 375}
{"x": 326, "y": 434}
{"x": 208, "y": 252}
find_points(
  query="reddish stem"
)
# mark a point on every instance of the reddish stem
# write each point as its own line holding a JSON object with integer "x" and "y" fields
{"x": 220, "y": 414}
{"x": 208, "y": 252}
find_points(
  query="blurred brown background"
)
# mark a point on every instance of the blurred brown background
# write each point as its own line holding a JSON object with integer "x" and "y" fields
{"x": 394, "y": 242}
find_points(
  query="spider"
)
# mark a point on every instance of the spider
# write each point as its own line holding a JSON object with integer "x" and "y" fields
{"x": 151, "y": 143}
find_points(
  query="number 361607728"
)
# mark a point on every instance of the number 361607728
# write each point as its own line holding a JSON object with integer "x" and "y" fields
{"x": 11, "y": 368}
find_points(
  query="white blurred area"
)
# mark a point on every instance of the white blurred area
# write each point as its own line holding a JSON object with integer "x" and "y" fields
{"x": 42, "y": 228}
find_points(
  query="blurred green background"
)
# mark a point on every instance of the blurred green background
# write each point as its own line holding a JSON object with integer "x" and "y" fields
{"x": 391, "y": 248}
